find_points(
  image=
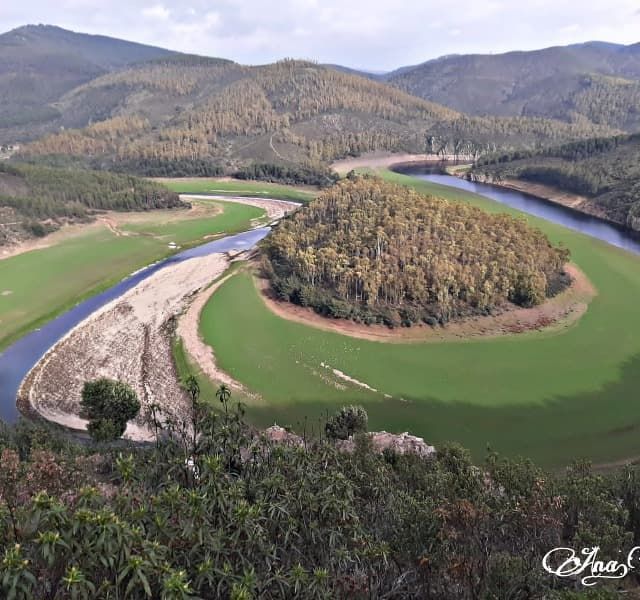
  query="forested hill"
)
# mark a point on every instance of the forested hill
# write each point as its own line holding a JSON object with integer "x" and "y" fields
{"x": 596, "y": 81}
{"x": 605, "y": 170}
{"x": 36, "y": 200}
{"x": 374, "y": 251}
{"x": 39, "y": 63}
{"x": 289, "y": 112}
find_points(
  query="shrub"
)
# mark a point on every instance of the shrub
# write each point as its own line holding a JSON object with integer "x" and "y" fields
{"x": 108, "y": 405}
{"x": 348, "y": 421}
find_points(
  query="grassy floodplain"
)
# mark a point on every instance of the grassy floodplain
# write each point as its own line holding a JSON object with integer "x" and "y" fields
{"x": 550, "y": 396}
{"x": 226, "y": 187}
{"x": 36, "y": 286}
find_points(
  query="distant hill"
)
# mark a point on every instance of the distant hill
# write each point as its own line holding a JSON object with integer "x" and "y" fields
{"x": 39, "y": 63}
{"x": 193, "y": 108}
{"x": 605, "y": 170}
{"x": 113, "y": 104}
{"x": 596, "y": 81}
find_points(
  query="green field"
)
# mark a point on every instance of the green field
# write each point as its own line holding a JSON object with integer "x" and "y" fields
{"x": 258, "y": 189}
{"x": 550, "y": 396}
{"x": 37, "y": 285}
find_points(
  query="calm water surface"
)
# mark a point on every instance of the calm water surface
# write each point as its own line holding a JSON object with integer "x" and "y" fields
{"x": 17, "y": 360}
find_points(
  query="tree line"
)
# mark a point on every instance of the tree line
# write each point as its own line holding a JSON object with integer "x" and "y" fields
{"x": 379, "y": 252}
{"x": 226, "y": 112}
{"x": 44, "y": 197}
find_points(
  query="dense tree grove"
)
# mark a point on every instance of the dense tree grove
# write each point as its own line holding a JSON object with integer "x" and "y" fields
{"x": 289, "y": 174}
{"x": 228, "y": 514}
{"x": 375, "y": 251}
{"x": 607, "y": 170}
{"x": 40, "y": 198}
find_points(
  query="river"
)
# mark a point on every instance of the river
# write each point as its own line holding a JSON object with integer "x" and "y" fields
{"x": 545, "y": 209}
{"x": 17, "y": 360}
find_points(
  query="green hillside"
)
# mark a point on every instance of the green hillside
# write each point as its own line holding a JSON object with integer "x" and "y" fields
{"x": 595, "y": 82}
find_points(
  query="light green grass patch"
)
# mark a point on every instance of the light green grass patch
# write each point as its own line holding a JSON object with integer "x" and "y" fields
{"x": 259, "y": 189}
{"x": 549, "y": 396}
{"x": 43, "y": 283}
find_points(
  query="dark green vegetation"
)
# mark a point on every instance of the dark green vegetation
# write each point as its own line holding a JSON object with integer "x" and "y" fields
{"x": 108, "y": 405}
{"x": 606, "y": 170}
{"x": 594, "y": 83}
{"x": 39, "y": 64}
{"x": 347, "y": 422}
{"x": 227, "y": 514}
{"x": 36, "y": 200}
{"x": 550, "y": 395}
{"x": 303, "y": 175}
{"x": 374, "y": 251}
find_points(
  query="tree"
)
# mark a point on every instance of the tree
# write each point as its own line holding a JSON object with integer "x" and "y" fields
{"x": 108, "y": 405}
{"x": 223, "y": 394}
{"x": 346, "y": 422}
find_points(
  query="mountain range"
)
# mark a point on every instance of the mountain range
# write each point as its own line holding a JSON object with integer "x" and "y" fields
{"x": 110, "y": 101}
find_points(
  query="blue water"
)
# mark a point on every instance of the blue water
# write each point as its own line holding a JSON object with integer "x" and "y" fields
{"x": 17, "y": 360}
{"x": 21, "y": 357}
{"x": 556, "y": 213}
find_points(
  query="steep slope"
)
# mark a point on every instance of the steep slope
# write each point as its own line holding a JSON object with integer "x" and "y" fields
{"x": 595, "y": 80}
{"x": 192, "y": 108}
{"x": 606, "y": 171}
{"x": 39, "y": 63}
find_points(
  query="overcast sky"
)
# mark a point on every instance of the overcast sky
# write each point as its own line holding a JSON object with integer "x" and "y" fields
{"x": 372, "y": 34}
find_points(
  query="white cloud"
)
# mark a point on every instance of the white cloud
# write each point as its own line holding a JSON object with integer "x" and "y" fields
{"x": 157, "y": 11}
{"x": 375, "y": 34}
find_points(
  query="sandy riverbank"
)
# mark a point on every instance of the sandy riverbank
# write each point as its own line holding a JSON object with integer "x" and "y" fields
{"x": 559, "y": 312}
{"x": 130, "y": 340}
{"x": 275, "y": 209}
{"x": 380, "y": 160}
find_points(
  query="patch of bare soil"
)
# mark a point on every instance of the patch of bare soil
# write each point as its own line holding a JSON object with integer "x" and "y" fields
{"x": 275, "y": 209}
{"x": 380, "y": 160}
{"x": 129, "y": 339}
{"x": 556, "y": 313}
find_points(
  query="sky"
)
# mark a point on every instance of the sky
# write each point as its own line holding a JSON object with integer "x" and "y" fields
{"x": 369, "y": 34}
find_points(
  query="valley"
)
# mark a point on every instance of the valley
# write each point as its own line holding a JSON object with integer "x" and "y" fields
{"x": 276, "y": 327}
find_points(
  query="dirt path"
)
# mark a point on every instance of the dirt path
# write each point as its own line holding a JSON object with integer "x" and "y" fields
{"x": 381, "y": 160}
{"x": 275, "y": 209}
{"x": 556, "y": 313}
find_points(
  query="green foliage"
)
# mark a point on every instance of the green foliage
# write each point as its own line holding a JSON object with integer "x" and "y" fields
{"x": 108, "y": 405}
{"x": 46, "y": 197}
{"x": 374, "y": 251}
{"x": 248, "y": 518}
{"x": 291, "y": 174}
{"x": 348, "y": 421}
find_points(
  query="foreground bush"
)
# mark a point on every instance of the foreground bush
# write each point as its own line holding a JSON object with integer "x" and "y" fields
{"x": 227, "y": 514}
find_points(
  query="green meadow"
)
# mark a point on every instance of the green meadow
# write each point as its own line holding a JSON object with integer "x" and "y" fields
{"x": 549, "y": 396}
{"x": 36, "y": 286}
{"x": 258, "y": 189}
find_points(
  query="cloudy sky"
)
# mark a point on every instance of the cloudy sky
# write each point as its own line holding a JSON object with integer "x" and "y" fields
{"x": 372, "y": 34}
